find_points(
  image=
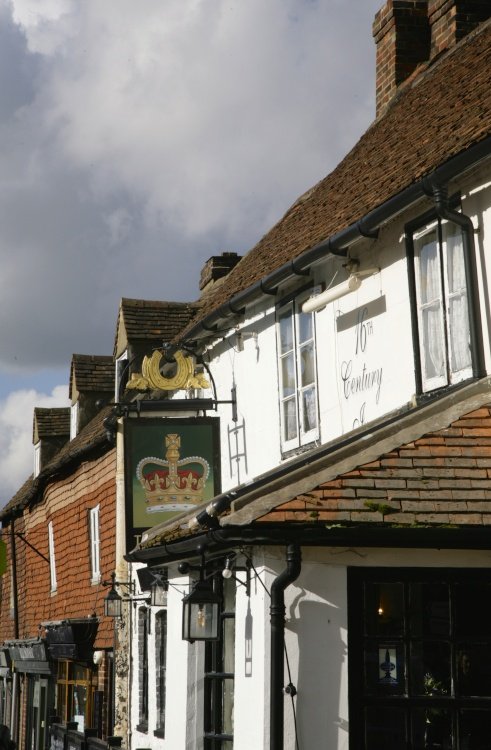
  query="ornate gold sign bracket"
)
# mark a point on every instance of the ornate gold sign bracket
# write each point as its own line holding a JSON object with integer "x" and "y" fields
{"x": 151, "y": 377}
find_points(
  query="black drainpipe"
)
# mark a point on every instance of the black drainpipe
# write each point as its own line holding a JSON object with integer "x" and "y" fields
{"x": 444, "y": 211}
{"x": 15, "y": 707}
{"x": 277, "y": 612}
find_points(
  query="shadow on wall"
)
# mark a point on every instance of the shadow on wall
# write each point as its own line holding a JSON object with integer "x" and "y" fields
{"x": 322, "y": 661}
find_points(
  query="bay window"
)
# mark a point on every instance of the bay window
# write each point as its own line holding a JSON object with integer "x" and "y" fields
{"x": 441, "y": 304}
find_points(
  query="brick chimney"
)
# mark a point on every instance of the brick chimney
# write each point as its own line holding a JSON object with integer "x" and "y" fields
{"x": 451, "y": 20}
{"x": 216, "y": 268}
{"x": 410, "y": 32}
{"x": 402, "y": 34}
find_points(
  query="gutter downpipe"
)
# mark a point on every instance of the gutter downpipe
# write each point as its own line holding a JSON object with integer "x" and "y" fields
{"x": 14, "y": 711}
{"x": 277, "y": 612}
{"x": 444, "y": 211}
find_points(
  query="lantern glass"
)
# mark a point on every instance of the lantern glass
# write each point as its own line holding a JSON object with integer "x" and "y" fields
{"x": 112, "y": 604}
{"x": 201, "y": 614}
{"x": 158, "y": 595}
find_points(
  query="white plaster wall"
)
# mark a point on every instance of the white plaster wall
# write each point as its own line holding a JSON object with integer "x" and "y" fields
{"x": 365, "y": 334}
{"x": 316, "y": 640}
{"x": 252, "y": 663}
{"x": 254, "y": 372}
{"x": 176, "y": 677}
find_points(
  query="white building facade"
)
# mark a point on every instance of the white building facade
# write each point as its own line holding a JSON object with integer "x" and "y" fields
{"x": 350, "y": 377}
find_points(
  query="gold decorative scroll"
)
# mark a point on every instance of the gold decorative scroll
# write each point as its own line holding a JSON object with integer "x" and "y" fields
{"x": 151, "y": 377}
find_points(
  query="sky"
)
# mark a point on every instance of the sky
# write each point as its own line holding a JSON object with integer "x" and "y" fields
{"x": 137, "y": 139}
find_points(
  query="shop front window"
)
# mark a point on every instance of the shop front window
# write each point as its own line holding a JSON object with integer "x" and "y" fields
{"x": 420, "y": 660}
{"x": 74, "y": 694}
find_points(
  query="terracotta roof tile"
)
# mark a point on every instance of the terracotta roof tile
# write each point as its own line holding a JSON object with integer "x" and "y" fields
{"x": 440, "y": 114}
{"x": 145, "y": 320}
{"x": 91, "y": 439}
{"x": 51, "y": 422}
{"x": 90, "y": 372}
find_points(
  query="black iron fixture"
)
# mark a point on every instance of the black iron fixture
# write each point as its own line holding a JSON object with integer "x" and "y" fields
{"x": 201, "y": 613}
{"x": 113, "y": 601}
{"x": 158, "y": 590}
{"x": 228, "y": 571}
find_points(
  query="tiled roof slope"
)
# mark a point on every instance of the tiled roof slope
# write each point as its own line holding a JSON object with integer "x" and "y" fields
{"x": 51, "y": 422}
{"x": 153, "y": 319}
{"x": 90, "y": 372}
{"x": 441, "y": 114}
{"x": 444, "y": 477}
{"x": 91, "y": 438}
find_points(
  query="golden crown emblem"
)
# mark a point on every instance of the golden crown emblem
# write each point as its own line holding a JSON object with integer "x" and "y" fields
{"x": 172, "y": 483}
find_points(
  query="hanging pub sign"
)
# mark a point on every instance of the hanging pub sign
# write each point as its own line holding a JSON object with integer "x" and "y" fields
{"x": 172, "y": 465}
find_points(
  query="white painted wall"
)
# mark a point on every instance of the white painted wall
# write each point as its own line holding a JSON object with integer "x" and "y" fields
{"x": 316, "y": 639}
{"x": 365, "y": 334}
{"x": 177, "y": 677}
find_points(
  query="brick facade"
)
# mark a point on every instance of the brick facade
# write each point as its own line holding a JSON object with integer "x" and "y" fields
{"x": 451, "y": 20}
{"x": 65, "y": 503}
{"x": 402, "y": 35}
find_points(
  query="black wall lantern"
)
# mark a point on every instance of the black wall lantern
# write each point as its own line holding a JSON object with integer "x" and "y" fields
{"x": 113, "y": 601}
{"x": 201, "y": 611}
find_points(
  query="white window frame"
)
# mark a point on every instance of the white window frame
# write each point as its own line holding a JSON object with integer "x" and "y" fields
{"x": 52, "y": 560}
{"x": 442, "y": 301}
{"x": 121, "y": 364}
{"x": 95, "y": 544}
{"x": 37, "y": 458}
{"x": 296, "y": 395}
{"x": 74, "y": 409}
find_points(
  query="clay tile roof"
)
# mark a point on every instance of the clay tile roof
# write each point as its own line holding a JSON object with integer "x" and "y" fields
{"x": 51, "y": 422}
{"x": 153, "y": 319}
{"x": 92, "y": 439}
{"x": 90, "y": 372}
{"x": 440, "y": 114}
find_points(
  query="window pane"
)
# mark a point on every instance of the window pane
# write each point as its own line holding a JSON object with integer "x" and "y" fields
{"x": 458, "y": 323}
{"x": 384, "y": 669}
{"x": 431, "y": 306}
{"x": 288, "y": 375}
{"x": 430, "y": 668}
{"x": 475, "y": 730}
{"x": 309, "y": 409}
{"x": 289, "y": 419}
{"x": 433, "y": 342}
{"x": 473, "y": 609}
{"x": 286, "y": 331}
{"x": 384, "y": 608}
{"x": 452, "y": 237}
{"x": 307, "y": 366}
{"x": 474, "y": 669}
{"x": 385, "y": 729}
{"x": 429, "y": 609}
{"x": 305, "y": 327}
{"x": 431, "y": 729}
{"x": 429, "y": 268}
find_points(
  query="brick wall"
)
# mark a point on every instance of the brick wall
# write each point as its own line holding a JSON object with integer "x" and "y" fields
{"x": 410, "y": 32}
{"x": 444, "y": 477}
{"x": 65, "y": 503}
{"x": 402, "y": 36}
{"x": 451, "y": 20}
